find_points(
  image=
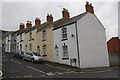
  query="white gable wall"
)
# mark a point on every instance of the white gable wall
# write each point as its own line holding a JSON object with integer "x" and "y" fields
{"x": 92, "y": 42}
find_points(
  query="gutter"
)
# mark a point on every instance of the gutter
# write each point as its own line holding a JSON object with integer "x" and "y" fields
{"x": 77, "y": 44}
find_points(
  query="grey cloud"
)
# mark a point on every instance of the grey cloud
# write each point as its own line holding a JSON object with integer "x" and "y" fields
{"x": 16, "y": 12}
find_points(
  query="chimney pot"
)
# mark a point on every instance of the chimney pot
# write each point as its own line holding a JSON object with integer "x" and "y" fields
{"x": 90, "y": 4}
{"x": 87, "y": 2}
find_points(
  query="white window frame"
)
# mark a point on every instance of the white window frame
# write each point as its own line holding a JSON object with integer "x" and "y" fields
{"x": 44, "y": 49}
{"x": 30, "y": 47}
{"x": 64, "y": 33}
{"x": 30, "y": 35}
{"x": 65, "y": 52}
{"x": 20, "y": 37}
{"x": 44, "y": 35}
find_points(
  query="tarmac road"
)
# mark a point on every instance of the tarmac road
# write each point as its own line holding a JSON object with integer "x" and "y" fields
{"x": 18, "y": 68}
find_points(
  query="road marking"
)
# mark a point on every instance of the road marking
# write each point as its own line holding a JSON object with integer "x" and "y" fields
{"x": 28, "y": 76}
{"x": 15, "y": 61}
{"x": 18, "y": 77}
{"x": 48, "y": 74}
{"x": 36, "y": 69}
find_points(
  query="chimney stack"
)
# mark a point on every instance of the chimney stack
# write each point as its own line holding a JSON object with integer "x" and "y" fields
{"x": 89, "y": 8}
{"x": 37, "y": 22}
{"x": 65, "y": 14}
{"x": 29, "y": 24}
{"x": 49, "y": 18}
{"x": 22, "y": 26}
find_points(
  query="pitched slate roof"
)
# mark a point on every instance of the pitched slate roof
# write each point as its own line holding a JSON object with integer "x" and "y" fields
{"x": 64, "y": 22}
{"x": 58, "y": 23}
{"x": 7, "y": 34}
{"x": 30, "y": 29}
{"x": 44, "y": 25}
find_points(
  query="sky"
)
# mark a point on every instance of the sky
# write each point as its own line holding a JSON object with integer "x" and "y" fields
{"x": 14, "y": 12}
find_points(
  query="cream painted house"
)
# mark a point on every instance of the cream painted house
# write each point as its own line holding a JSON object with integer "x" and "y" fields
{"x": 31, "y": 37}
{"x": 45, "y": 39}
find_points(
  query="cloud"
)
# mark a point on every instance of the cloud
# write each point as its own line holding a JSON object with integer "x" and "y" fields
{"x": 16, "y": 12}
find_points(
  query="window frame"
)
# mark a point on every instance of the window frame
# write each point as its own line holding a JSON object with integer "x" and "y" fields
{"x": 44, "y": 35}
{"x": 65, "y": 51}
{"x": 30, "y": 35}
{"x": 44, "y": 50}
{"x": 30, "y": 47}
{"x": 64, "y": 33}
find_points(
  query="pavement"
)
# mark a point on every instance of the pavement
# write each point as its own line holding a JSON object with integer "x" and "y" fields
{"x": 76, "y": 69}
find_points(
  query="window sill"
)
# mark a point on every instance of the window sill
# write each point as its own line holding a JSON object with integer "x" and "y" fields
{"x": 64, "y": 39}
{"x": 65, "y": 58}
{"x": 31, "y": 39}
{"x": 44, "y": 40}
{"x": 21, "y": 40}
{"x": 44, "y": 55}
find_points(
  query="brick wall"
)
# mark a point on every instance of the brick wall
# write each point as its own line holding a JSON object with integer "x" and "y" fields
{"x": 114, "y": 45}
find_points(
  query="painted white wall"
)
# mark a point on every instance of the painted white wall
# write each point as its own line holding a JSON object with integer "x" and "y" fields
{"x": 8, "y": 44}
{"x": 71, "y": 42}
{"x": 18, "y": 42}
{"x": 92, "y": 39}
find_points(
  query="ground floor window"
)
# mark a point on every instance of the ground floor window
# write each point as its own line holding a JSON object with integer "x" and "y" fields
{"x": 21, "y": 47}
{"x": 65, "y": 51}
{"x": 44, "y": 50}
{"x": 30, "y": 47}
{"x": 26, "y": 48}
{"x": 38, "y": 49}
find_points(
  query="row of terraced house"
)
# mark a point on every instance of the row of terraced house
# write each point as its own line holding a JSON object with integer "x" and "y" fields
{"x": 77, "y": 41}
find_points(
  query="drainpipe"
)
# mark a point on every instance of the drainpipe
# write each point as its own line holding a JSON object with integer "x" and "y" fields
{"x": 77, "y": 44}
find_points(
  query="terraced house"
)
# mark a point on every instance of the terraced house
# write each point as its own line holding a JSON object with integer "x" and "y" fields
{"x": 31, "y": 36}
{"x": 45, "y": 39}
{"x": 20, "y": 37}
{"x": 80, "y": 41}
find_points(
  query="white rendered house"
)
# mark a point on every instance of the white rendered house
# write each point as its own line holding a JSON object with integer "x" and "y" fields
{"x": 81, "y": 41}
{"x": 8, "y": 42}
{"x": 20, "y": 38}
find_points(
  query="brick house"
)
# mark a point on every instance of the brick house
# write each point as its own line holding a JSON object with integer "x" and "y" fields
{"x": 114, "y": 45}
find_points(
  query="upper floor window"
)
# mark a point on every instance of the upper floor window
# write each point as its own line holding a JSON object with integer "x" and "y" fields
{"x": 30, "y": 35}
{"x": 64, "y": 33}
{"x": 44, "y": 35}
{"x": 20, "y": 36}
